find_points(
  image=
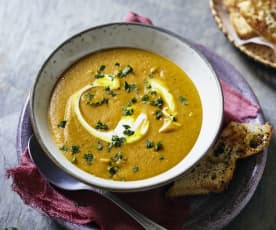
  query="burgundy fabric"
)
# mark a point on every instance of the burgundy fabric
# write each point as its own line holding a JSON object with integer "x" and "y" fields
{"x": 133, "y": 17}
{"x": 84, "y": 206}
{"x": 237, "y": 107}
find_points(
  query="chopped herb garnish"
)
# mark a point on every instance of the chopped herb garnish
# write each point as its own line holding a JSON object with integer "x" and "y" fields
{"x": 158, "y": 146}
{"x": 149, "y": 144}
{"x": 99, "y": 75}
{"x": 133, "y": 100}
{"x": 153, "y": 92}
{"x": 89, "y": 96}
{"x": 183, "y": 100}
{"x": 62, "y": 124}
{"x": 63, "y": 148}
{"x": 173, "y": 117}
{"x": 145, "y": 97}
{"x": 117, "y": 141}
{"x": 128, "y": 69}
{"x": 158, "y": 102}
{"x": 128, "y": 111}
{"x": 110, "y": 92}
{"x": 99, "y": 145}
{"x": 130, "y": 87}
{"x": 117, "y": 64}
{"x": 128, "y": 132}
{"x": 113, "y": 169}
{"x": 75, "y": 149}
{"x": 158, "y": 114}
{"x": 103, "y": 101}
{"x": 101, "y": 68}
{"x": 74, "y": 159}
{"x": 89, "y": 157}
{"x": 118, "y": 157}
{"x": 161, "y": 158}
{"x": 135, "y": 169}
{"x": 126, "y": 126}
{"x": 101, "y": 125}
{"x": 150, "y": 75}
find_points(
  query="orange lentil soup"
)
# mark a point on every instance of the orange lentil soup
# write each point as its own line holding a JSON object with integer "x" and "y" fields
{"x": 125, "y": 114}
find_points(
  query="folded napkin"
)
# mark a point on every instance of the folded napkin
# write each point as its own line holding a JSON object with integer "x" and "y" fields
{"x": 83, "y": 207}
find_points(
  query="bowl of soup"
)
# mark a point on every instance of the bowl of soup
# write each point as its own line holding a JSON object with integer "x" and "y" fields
{"x": 126, "y": 107}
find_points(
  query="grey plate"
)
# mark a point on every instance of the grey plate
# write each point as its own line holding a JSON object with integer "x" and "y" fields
{"x": 207, "y": 212}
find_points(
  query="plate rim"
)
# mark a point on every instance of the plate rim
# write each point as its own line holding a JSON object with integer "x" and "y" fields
{"x": 221, "y": 222}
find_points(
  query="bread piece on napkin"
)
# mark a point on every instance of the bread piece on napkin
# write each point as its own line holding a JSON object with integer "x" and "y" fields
{"x": 243, "y": 30}
{"x": 214, "y": 171}
{"x": 261, "y": 16}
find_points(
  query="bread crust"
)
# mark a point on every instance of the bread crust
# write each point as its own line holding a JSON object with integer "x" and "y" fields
{"x": 214, "y": 172}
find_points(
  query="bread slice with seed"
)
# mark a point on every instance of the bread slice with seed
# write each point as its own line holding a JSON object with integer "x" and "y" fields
{"x": 243, "y": 30}
{"x": 214, "y": 172}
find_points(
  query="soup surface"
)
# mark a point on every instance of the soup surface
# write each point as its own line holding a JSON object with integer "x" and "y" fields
{"x": 125, "y": 114}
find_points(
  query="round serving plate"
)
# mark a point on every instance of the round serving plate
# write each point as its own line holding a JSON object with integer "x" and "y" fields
{"x": 209, "y": 211}
{"x": 259, "y": 53}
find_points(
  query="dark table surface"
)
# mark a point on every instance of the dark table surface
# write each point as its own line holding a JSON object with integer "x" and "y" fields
{"x": 31, "y": 29}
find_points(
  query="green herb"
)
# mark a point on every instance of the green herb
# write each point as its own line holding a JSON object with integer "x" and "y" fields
{"x": 101, "y": 125}
{"x": 75, "y": 149}
{"x": 158, "y": 102}
{"x": 110, "y": 92}
{"x": 113, "y": 169}
{"x": 63, "y": 148}
{"x": 183, "y": 100}
{"x": 130, "y": 87}
{"x": 148, "y": 86}
{"x": 118, "y": 157}
{"x": 103, "y": 101}
{"x": 128, "y": 132}
{"x": 128, "y": 111}
{"x": 117, "y": 141}
{"x": 158, "y": 114}
{"x": 150, "y": 75}
{"x": 101, "y": 68}
{"x": 149, "y": 144}
{"x": 135, "y": 169}
{"x": 74, "y": 159}
{"x": 153, "y": 92}
{"x": 145, "y": 97}
{"x": 62, "y": 124}
{"x": 99, "y": 145}
{"x": 133, "y": 100}
{"x": 128, "y": 69}
{"x": 99, "y": 75}
{"x": 90, "y": 96}
{"x": 126, "y": 126}
{"x": 161, "y": 158}
{"x": 89, "y": 157}
{"x": 173, "y": 117}
{"x": 158, "y": 146}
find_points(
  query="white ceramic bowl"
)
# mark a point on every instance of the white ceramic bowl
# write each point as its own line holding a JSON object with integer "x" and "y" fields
{"x": 141, "y": 36}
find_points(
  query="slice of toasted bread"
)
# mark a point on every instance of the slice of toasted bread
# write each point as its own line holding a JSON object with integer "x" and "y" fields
{"x": 214, "y": 172}
{"x": 261, "y": 16}
{"x": 243, "y": 30}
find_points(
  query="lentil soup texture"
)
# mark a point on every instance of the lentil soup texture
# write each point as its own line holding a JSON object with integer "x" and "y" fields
{"x": 125, "y": 114}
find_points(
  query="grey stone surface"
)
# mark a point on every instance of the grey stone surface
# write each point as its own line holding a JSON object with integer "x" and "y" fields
{"x": 31, "y": 29}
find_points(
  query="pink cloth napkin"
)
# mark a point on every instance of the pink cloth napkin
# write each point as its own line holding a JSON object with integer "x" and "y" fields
{"x": 83, "y": 207}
